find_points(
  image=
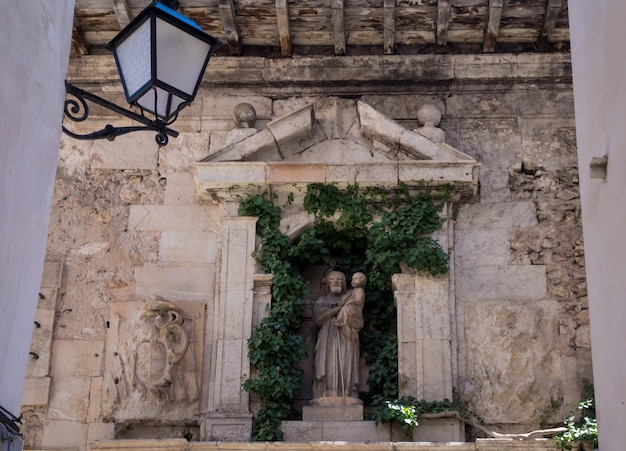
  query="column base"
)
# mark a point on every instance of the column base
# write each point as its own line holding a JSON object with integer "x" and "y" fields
{"x": 233, "y": 427}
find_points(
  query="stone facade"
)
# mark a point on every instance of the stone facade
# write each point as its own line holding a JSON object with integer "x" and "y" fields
{"x": 507, "y": 329}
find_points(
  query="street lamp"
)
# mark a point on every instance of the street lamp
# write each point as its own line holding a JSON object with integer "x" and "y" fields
{"x": 161, "y": 57}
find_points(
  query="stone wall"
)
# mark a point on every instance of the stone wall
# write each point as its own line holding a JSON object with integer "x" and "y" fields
{"x": 126, "y": 224}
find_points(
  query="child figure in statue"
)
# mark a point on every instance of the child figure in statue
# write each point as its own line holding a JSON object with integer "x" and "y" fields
{"x": 350, "y": 317}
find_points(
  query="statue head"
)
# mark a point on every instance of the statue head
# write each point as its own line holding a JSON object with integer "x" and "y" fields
{"x": 336, "y": 283}
{"x": 358, "y": 279}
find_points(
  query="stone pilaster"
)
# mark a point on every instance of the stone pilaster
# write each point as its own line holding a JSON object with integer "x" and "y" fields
{"x": 424, "y": 336}
{"x": 228, "y": 414}
{"x": 262, "y": 297}
{"x": 426, "y": 347}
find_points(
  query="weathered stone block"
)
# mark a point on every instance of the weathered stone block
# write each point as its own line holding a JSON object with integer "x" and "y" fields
{"x": 228, "y": 428}
{"x": 52, "y": 276}
{"x": 517, "y": 343}
{"x": 41, "y": 343}
{"x": 302, "y": 431}
{"x": 548, "y": 147}
{"x": 181, "y": 282}
{"x": 485, "y": 140}
{"x": 533, "y": 102}
{"x": 182, "y": 152}
{"x": 332, "y": 413}
{"x": 310, "y": 173}
{"x": 94, "y": 410}
{"x": 376, "y": 174}
{"x": 228, "y": 174}
{"x": 481, "y": 247}
{"x": 69, "y": 398}
{"x": 439, "y": 430}
{"x": 180, "y": 189}
{"x": 425, "y": 370}
{"x": 36, "y": 391}
{"x": 490, "y": 283}
{"x": 132, "y": 151}
{"x": 341, "y": 173}
{"x": 188, "y": 247}
{"x": 497, "y": 215}
{"x": 100, "y": 431}
{"x": 481, "y": 105}
{"x": 494, "y": 185}
{"x": 357, "y": 432}
{"x": 48, "y": 298}
{"x": 76, "y": 358}
{"x": 172, "y": 217}
{"x": 64, "y": 434}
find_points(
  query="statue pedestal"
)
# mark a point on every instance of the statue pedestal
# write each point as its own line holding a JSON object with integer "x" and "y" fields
{"x": 331, "y": 408}
{"x": 331, "y": 413}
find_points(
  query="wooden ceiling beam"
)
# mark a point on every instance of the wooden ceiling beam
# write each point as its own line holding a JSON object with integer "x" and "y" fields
{"x": 553, "y": 8}
{"x": 493, "y": 26}
{"x": 339, "y": 27}
{"x": 228, "y": 14}
{"x": 443, "y": 22}
{"x": 80, "y": 44}
{"x": 122, "y": 13}
{"x": 389, "y": 27}
{"x": 284, "y": 35}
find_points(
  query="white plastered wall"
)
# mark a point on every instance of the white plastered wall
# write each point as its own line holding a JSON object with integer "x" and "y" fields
{"x": 35, "y": 40}
{"x": 599, "y": 68}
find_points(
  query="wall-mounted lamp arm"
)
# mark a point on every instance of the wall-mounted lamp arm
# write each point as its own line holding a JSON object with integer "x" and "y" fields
{"x": 77, "y": 110}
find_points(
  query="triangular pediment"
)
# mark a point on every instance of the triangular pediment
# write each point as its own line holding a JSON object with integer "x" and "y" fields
{"x": 336, "y": 140}
{"x": 333, "y": 130}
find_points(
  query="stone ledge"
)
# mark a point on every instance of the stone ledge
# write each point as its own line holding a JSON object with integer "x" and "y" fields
{"x": 183, "y": 445}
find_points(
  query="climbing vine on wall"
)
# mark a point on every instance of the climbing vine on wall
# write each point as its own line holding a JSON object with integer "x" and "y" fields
{"x": 371, "y": 230}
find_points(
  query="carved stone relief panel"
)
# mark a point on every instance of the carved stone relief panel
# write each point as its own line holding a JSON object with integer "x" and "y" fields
{"x": 153, "y": 361}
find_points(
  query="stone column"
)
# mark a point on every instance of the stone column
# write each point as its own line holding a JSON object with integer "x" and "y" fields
{"x": 228, "y": 416}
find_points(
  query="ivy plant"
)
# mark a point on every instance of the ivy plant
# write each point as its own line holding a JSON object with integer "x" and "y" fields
{"x": 370, "y": 230}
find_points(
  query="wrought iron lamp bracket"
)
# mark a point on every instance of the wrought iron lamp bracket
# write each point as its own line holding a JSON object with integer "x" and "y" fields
{"x": 77, "y": 110}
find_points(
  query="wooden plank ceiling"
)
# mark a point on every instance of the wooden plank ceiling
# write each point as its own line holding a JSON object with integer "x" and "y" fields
{"x": 288, "y": 28}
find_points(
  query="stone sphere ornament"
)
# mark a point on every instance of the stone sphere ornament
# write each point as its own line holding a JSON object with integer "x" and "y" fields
{"x": 429, "y": 115}
{"x": 244, "y": 115}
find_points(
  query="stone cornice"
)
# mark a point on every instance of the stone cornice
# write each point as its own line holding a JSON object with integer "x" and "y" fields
{"x": 228, "y": 181}
{"x": 355, "y": 73}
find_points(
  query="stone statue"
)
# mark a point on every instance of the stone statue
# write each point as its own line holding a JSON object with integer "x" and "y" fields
{"x": 339, "y": 315}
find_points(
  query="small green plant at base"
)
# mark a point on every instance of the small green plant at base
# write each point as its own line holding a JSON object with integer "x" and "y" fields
{"x": 407, "y": 410}
{"x": 581, "y": 431}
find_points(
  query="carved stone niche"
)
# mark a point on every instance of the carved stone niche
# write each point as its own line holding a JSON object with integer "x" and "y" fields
{"x": 153, "y": 361}
{"x": 339, "y": 141}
